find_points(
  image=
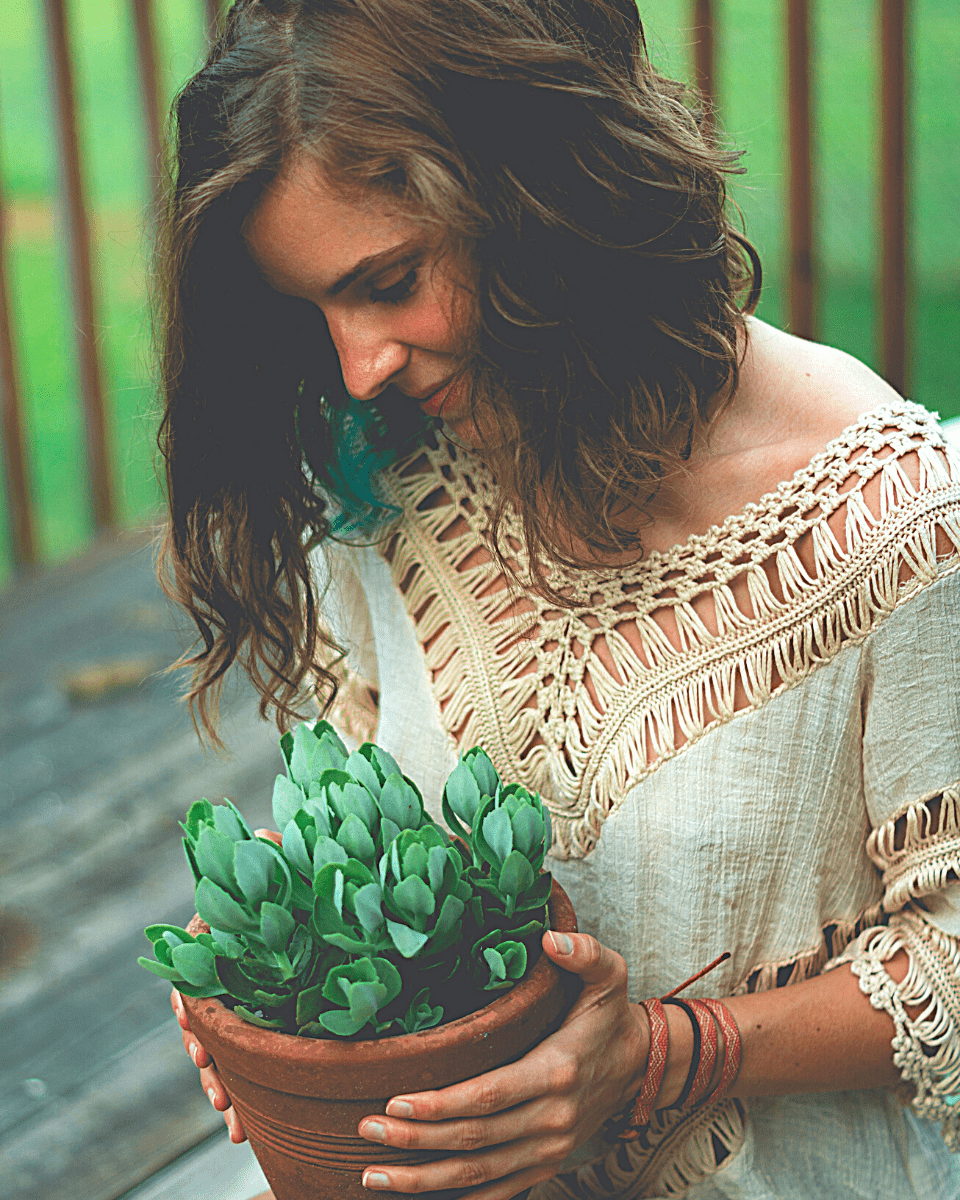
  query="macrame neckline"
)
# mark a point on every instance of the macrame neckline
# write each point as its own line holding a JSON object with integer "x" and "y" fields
{"x": 543, "y": 704}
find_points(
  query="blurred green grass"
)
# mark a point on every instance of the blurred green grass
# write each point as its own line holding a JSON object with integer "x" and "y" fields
{"x": 751, "y": 73}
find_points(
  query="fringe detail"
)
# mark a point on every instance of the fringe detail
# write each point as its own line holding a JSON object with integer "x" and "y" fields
{"x": 926, "y": 1050}
{"x": 517, "y": 684}
{"x": 681, "y": 1149}
{"x": 836, "y": 936}
{"x": 926, "y": 861}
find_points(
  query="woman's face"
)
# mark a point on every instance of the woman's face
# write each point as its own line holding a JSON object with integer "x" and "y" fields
{"x": 393, "y": 295}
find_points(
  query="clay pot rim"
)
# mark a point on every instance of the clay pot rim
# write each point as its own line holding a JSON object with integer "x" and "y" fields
{"x": 475, "y": 1026}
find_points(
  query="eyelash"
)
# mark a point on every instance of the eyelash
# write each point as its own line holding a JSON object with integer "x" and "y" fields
{"x": 397, "y": 292}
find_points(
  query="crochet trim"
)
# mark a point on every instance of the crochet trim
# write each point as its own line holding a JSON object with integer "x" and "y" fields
{"x": 527, "y": 682}
{"x": 926, "y": 860}
{"x": 678, "y": 1150}
{"x": 926, "y": 1050}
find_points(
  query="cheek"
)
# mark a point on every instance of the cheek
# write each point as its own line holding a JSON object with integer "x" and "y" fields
{"x": 431, "y": 322}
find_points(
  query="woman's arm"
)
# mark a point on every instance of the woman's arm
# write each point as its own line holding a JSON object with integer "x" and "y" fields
{"x": 514, "y": 1126}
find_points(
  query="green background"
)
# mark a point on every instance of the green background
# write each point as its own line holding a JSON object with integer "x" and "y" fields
{"x": 751, "y": 95}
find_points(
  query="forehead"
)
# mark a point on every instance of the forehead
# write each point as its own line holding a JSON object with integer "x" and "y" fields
{"x": 305, "y": 232}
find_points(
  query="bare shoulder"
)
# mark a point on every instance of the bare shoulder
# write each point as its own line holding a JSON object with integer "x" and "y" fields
{"x": 803, "y": 392}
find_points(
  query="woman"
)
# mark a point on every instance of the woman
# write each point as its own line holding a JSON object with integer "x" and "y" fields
{"x": 452, "y": 296}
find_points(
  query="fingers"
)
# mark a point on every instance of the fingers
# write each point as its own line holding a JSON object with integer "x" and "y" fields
{"x": 583, "y": 955}
{"x": 499, "y": 1173}
{"x": 200, "y": 1057}
{"x": 539, "y": 1119}
{"x": 176, "y": 1002}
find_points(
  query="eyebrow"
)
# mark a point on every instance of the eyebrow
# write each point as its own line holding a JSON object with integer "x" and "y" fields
{"x": 411, "y": 246}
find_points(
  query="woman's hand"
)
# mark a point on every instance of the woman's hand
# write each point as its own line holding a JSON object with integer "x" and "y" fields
{"x": 209, "y": 1078}
{"x": 514, "y": 1126}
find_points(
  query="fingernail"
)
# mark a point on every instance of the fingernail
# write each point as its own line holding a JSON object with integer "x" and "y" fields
{"x": 399, "y": 1108}
{"x": 193, "y": 1051}
{"x": 213, "y": 1096}
{"x": 374, "y": 1131}
{"x": 561, "y": 943}
{"x": 375, "y": 1179}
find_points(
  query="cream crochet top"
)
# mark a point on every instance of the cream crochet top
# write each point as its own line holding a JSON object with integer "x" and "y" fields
{"x": 749, "y": 743}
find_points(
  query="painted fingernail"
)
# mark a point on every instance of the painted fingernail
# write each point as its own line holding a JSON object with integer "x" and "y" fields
{"x": 194, "y": 1051}
{"x": 374, "y": 1131}
{"x": 399, "y": 1108}
{"x": 376, "y": 1179}
{"x": 211, "y": 1092}
{"x": 561, "y": 943}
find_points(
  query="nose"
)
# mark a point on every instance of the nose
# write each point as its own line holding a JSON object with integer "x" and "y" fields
{"x": 369, "y": 358}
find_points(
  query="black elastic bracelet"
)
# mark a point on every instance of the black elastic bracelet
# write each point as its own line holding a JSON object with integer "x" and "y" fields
{"x": 695, "y": 1060}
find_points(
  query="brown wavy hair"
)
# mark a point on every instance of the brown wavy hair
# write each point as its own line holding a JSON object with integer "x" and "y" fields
{"x": 610, "y": 290}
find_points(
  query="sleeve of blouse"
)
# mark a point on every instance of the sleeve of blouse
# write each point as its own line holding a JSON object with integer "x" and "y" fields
{"x": 345, "y": 616}
{"x": 911, "y": 767}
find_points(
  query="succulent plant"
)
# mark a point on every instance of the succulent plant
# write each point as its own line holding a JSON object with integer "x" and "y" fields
{"x": 360, "y": 924}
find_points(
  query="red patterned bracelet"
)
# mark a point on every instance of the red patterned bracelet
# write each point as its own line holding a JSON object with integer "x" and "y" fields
{"x": 710, "y": 1017}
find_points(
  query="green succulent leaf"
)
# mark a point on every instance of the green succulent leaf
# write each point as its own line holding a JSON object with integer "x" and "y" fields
{"x": 498, "y": 833}
{"x": 317, "y": 810}
{"x": 199, "y": 814}
{"x": 326, "y": 732}
{"x": 295, "y": 848}
{"x": 288, "y": 799}
{"x": 306, "y": 746}
{"x": 390, "y": 979}
{"x": 228, "y": 820}
{"x": 516, "y": 875}
{"x": 355, "y": 838}
{"x": 360, "y": 767}
{"x": 407, "y": 941}
{"x": 414, "y": 898}
{"x": 341, "y": 1023}
{"x": 309, "y": 1003}
{"x": 400, "y": 803}
{"x": 482, "y": 770}
{"x": 235, "y": 980}
{"x": 254, "y": 1019}
{"x": 451, "y": 911}
{"x": 437, "y": 859}
{"x": 286, "y": 747}
{"x": 213, "y": 853}
{"x": 461, "y": 796}
{"x": 362, "y": 971}
{"x": 155, "y": 932}
{"x": 327, "y": 853}
{"x": 276, "y": 927}
{"x": 416, "y": 860}
{"x": 354, "y": 798}
{"x": 158, "y": 968}
{"x": 228, "y": 945}
{"x": 366, "y": 904}
{"x": 221, "y": 911}
{"x": 196, "y": 965}
{"x": 383, "y": 762}
{"x": 528, "y": 831}
{"x": 388, "y": 831}
{"x": 254, "y": 867}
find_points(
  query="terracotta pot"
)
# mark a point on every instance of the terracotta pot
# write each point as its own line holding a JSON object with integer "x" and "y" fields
{"x": 300, "y": 1099}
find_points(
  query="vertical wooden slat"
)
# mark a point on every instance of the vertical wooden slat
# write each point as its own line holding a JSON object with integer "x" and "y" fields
{"x": 704, "y": 48}
{"x": 20, "y": 516}
{"x": 81, "y": 265}
{"x": 144, "y": 28}
{"x": 803, "y": 265}
{"x": 894, "y": 292}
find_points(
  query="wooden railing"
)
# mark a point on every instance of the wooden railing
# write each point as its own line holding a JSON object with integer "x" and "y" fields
{"x": 802, "y": 283}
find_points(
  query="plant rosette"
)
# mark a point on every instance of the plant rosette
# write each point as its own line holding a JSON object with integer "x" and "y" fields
{"x": 369, "y": 924}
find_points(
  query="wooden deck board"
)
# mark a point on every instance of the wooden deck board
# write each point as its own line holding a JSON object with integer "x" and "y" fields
{"x": 96, "y": 1094}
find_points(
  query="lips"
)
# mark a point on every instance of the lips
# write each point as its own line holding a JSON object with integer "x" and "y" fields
{"x": 432, "y": 404}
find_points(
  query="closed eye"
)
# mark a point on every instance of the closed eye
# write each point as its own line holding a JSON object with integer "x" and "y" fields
{"x": 396, "y": 292}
